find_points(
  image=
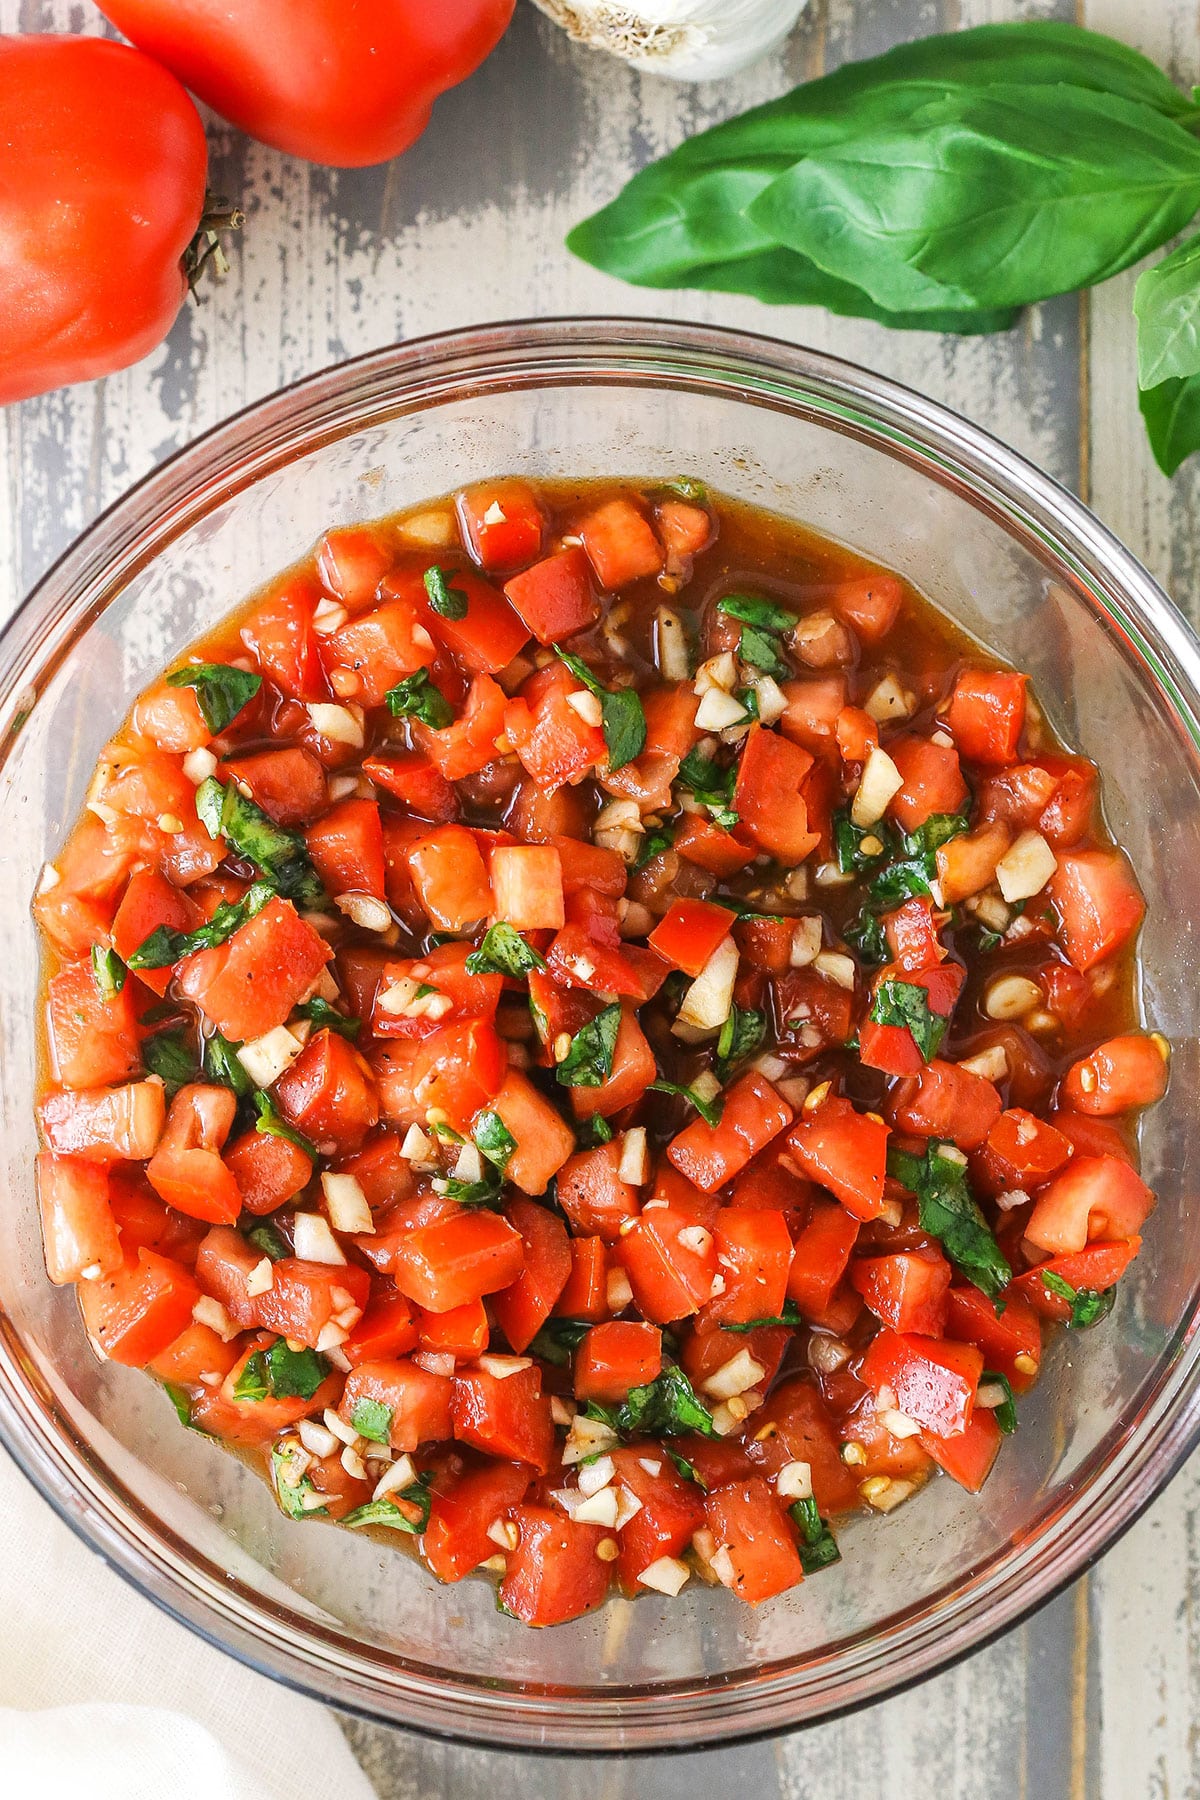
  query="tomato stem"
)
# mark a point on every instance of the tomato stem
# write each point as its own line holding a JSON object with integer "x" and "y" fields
{"x": 206, "y": 248}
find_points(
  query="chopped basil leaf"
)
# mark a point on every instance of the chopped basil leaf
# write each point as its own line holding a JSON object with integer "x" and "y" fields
{"x": 181, "y": 1400}
{"x": 818, "y": 1546}
{"x": 869, "y": 938}
{"x": 557, "y": 1338}
{"x": 622, "y": 716}
{"x": 936, "y": 831}
{"x": 372, "y": 1419}
{"x": 294, "y": 1374}
{"x": 416, "y": 697}
{"x": 254, "y": 1382}
{"x": 710, "y": 1110}
{"x": 270, "y": 1122}
{"x": 223, "y": 1065}
{"x": 488, "y": 1191}
{"x": 761, "y": 651}
{"x": 448, "y": 602}
{"x": 264, "y": 1237}
{"x": 589, "y": 1061}
{"x": 1088, "y": 1305}
{"x": 668, "y": 1406}
{"x": 596, "y": 1130}
{"x": 712, "y": 786}
{"x": 281, "y": 855}
{"x": 108, "y": 971}
{"x": 292, "y": 1493}
{"x": 747, "y": 697}
{"x": 791, "y": 1315}
{"x": 906, "y": 1004}
{"x": 504, "y": 952}
{"x": 493, "y": 1139}
{"x": 686, "y": 1469}
{"x": 1005, "y": 1414}
{"x": 407, "y": 1510}
{"x": 328, "y": 1018}
{"x": 654, "y": 843}
{"x": 916, "y": 870}
{"x": 763, "y": 614}
{"x": 687, "y": 488}
{"x": 165, "y": 947}
{"x": 948, "y": 1211}
{"x": 848, "y": 842}
{"x": 741, "y": 1034}
{"x": 171, "y": 1055}
{"x": 221, "y": 691}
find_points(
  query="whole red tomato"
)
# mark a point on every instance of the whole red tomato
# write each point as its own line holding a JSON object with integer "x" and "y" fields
{"x": 102, "y": 173}
{"x": 346, "y": 82}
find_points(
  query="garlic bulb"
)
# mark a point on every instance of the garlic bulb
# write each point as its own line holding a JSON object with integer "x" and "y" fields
{"x": 690, "y": 40}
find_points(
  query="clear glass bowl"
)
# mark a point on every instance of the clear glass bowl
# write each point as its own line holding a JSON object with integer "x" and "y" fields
{"x": 1008, "y": 554}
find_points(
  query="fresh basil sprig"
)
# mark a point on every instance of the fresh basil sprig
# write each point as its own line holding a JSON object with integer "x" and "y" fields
{"x": 622, "y": 716}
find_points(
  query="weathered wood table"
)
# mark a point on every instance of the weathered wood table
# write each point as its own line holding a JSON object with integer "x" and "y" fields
{"x": 1099, "y": 1696}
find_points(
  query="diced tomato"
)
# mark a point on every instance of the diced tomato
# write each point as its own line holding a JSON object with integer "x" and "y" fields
{"x": 543, "y": 1139}
{"x": 416, "y": 1402}
{"x": 933, "y": 781}
{"x": 968, "y": 1457}
{"x": 554, "y": 742}
{"x": 414, "y": 779}
{"x": 795, "y": 1426}
{"x": 502, "y": 523}
{"x": 387, "y": 1330}
{"x": 685, "y": 530}
{"x": 620, "y": 543}
{"x": 329, "y": 1094}
{"x": 933, "y": 1379}
{"x": 197, "y": 1355}
{"x": 671, "y": 1510}
{"x": 615, "y": 1357}
{"x": 450, "y": 878}
{"x": 906, "y": 1289}
{"x": 748, "y": 1522}
{"x": 186, "y": 1170}
{"x": 586, "y": 1294}
{"x": 149, "y": 901}
{"x": 527, "y": 886}
{"x": 458, "y": 1259}
{"x": 589, "y": 866}
{"x": 489, "y": 634}
{"x": 812, "y": 1014}
{"x": 367, "y": 657}
{"x": 225, "y": 1260}
{"x": 592, "y": 1194}
{"x": 765, "y": 942}
{"x": 711, "y": 847}
{"x": 754, "y": 1112}
{"x": 76, "y": 911}
{"x": 456, "y": 1071}
{"x": 986, "y": 715}
{"x": 671, "y": 1262}
{"x": 554, "y": 1574}
{"x": 555, "y": 598}
{"x": 688, "y": 934}
{"x": 754, "y": 1254}
{"x": 769, "y": 795}
{"x": 633, "y": 1069}
{"x": 346, "y": 847}
{"x": 93, "y": 1036}
{"x": 250, "y": 984}
{"x": 856, "y": 733}
{"x": 1098, "y": 904}
{"x": 280, "y": 636}
{"x": 79, "y": 1231}
{"x": 523, "y": 1308}
{"x": 1068, "y": 816}
{"x": 352, "y": 562}
{"x": 460, "y": 1516}
{"x": 257, "y": 1422}
{"x": 505, "y": 1415}
{"x": 946, "y": 1101}
{"x": 134, "y": 1312}
{"x": 1022, "y": 1151}
{"x": 268, "y": 1170}
{"x": 462, "y": 1333}
{"x": 846, "y": 1151}
{"x": 578, "y": 959}
{"x": 967, "y": 864}
{"x": 147, "y": 797}
{"x": 912, "y": 935}
{"x": 458, "y": 993}
{"x": 869, "y": 604}
{"x": 1011, "y": 1340}
{"x": 821, "y": 1255}
{"x": 1093, "y": 1197}
{"x": 289, "y": 784}
{"x": 1094, "y": 1269}
{"x": 1126, "y": 1072}
{"x": 304, "y": 1298}
{"x": 170, "y": 719}
{"x": 469, "y": 744}
{"x": 813, "y": 707}
{"x": 110, "y": 1124}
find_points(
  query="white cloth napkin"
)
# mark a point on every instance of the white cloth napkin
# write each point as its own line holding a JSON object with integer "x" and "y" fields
{"x": 102, "y": 1695}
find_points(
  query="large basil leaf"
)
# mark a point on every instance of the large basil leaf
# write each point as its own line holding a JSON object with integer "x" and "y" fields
{"x": 990, "y": 198}
{"x": 1172, "y": 415}
{"x": 1166, "y": 302}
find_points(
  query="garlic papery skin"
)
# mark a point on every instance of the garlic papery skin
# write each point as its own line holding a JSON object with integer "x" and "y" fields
{"x": 689, "y": 40}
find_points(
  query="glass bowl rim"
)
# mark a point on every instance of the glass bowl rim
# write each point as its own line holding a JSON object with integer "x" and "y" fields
{"x": 755, "y": 369}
